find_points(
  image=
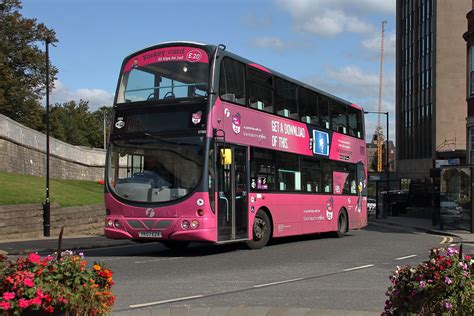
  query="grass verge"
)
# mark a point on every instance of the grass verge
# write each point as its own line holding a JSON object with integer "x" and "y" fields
{"x": 25, "y": 189}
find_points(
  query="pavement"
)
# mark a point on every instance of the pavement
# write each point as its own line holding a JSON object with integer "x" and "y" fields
{"x": 48, "y": 245}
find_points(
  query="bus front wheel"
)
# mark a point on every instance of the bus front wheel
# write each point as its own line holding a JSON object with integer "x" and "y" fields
{"x": 262, "y": 228}
{"x": 342, "y": 224}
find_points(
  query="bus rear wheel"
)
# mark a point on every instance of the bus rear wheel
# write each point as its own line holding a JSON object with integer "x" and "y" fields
{"x": 342, "y": 224}
{"x": 175, "y": 244}
{"x": 262, "y": 228}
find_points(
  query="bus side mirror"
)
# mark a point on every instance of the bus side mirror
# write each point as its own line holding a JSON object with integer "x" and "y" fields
{"x": 226, "y": 156}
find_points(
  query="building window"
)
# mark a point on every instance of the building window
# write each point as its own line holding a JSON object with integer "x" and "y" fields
{"x": 471, "y": 145}
{"x": 471, "y": 70}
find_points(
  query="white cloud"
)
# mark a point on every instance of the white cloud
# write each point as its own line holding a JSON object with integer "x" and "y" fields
{"x": 96, "y": 97}
{"x": 361, "y": 87}
{"x": 276, "y": 43}
{"x": 373, "y": 44}
{"x": 355, "y": 83}
{"x": 269, "y": 42}
{"x": 332, "y": 17}
{"x": 330, "y": 23}
{"x": 253, "y": 20}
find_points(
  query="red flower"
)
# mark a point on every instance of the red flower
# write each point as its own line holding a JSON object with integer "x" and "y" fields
{"x": 35, "y": 301}
{"x": 5, "y": 305}
{"x": 40, "y": 294}
{"x": 28, "y": 282}
{"x": 23, "y": 303}
{"x": 8, "y": 296}
{"x": 49, "y": 309}
{"x": 34, "y": 258}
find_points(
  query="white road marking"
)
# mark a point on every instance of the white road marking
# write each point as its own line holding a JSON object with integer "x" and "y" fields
{"x": 446, "y": 239}
{"x": 160, "y": 259}
{"x": 452, "y": 245}
{"x": 280, "y": 282}
{"x": 358, "y": 268}
{"x": 167, "y": 301}
{"x": 406, "y": 257}
{"x": 114, "y": 258}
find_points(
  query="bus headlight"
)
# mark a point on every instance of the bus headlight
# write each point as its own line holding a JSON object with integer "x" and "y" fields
{"x": 185, "y": 224}
{"x": 110, "y": 223}
{"x": 194, "y": 224}
{"x": 116, "y": 223}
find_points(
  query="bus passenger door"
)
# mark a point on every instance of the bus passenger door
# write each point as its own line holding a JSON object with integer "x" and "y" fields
{"x": 232, "y": 183}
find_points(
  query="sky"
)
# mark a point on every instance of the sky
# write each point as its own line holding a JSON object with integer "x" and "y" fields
{"x": 333, "y": 45}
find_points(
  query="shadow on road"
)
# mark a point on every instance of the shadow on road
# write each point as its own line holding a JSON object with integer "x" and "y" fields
{"x": 157, "y": 250}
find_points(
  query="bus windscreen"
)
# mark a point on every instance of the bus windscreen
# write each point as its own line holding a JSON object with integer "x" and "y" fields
{"x": 165, "y": 73}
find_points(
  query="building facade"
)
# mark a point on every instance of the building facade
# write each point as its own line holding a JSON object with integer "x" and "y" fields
{"x": 430, "y": 84}
{"x": 372, "y": 155}
{"x": 469, "y": 38}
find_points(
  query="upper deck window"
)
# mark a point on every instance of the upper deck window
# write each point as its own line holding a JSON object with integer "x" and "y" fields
{"x": 355, "y": 122}
{"x": 285, "y": 99}
{"x": 165, "y": 73}
{"x": 309, "y": 110}
{"x": 260, "y": 90}
{"x": 339, "y": 117}
{"x": 232, "y": 81}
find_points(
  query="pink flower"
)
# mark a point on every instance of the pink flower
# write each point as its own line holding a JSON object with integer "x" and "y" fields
{"x": 34, "y": 258}
{"x": 28, "y": 282}
{"x": 35, "y": 301}
{"x": 8, "y": 296}
{"x": 23, "y": 303}
{"x": 448, "y": 305}
{"x": 452, "y": 251}
{"x": 447, "y": 280}
{"x": 5, "y": 305}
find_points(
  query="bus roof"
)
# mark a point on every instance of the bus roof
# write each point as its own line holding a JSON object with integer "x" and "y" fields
{"x": 210, "y": 48}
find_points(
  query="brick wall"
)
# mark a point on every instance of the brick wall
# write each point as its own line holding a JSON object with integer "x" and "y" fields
{"x": 26, "y": 220}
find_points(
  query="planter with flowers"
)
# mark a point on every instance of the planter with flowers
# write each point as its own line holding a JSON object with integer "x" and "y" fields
{"x": 443, "y": 285}
{"x": 61, "y": 284}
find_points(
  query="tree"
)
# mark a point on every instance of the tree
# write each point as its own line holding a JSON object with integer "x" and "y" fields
{"x": 22, "y": 65}
{"x": 74, "y": 124}
{"x": 103, "y": 113}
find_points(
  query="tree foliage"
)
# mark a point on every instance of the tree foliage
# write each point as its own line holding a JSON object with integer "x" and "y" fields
{"x": 23, "y": 65}
{"x": 73, "y": 123}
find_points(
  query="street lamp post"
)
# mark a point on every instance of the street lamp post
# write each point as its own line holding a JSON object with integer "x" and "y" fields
{"x": 387, "y": 162}
{"x": 46, "y": 205}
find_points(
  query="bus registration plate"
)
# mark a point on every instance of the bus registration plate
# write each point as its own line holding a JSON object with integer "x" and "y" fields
{"x": 150, "y": 234}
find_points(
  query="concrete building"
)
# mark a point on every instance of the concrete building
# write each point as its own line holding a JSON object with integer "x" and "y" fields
{"x": 469, "y": 38}
{"x": 372, "y": 155}
{"x": 430, "y": 84}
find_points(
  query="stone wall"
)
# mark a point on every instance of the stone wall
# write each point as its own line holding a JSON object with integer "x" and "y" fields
{"x": 23, "y": 150}
{"x": 26, "y": 220}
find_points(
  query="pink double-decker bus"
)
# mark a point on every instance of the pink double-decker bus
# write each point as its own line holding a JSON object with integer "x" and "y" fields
{"x": 207, "y": 146}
